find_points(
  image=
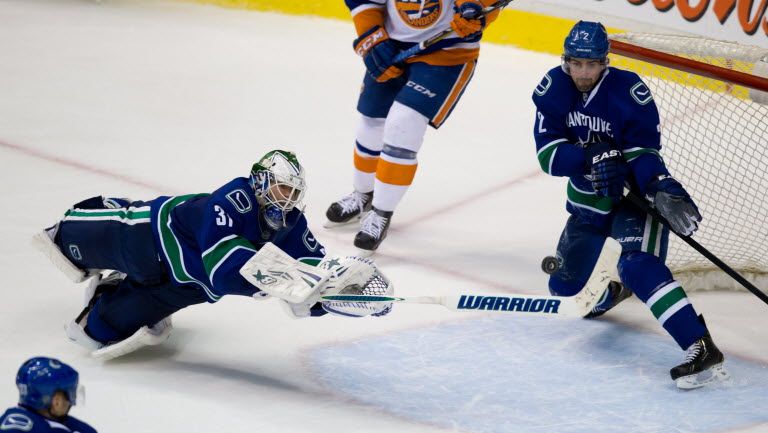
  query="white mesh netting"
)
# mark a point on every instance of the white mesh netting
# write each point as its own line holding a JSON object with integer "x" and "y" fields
{"x": 715, "y": 141}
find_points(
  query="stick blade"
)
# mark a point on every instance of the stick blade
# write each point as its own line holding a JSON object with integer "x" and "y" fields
{"x": 604, "y": 271}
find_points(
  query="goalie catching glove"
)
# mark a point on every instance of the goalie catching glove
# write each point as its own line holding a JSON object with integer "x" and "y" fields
{"x": 299, "y": 285}
{"x": 355, "y": 276}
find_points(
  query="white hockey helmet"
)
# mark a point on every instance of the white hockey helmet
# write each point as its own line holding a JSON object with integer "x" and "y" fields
{"x": 278, "y": 181}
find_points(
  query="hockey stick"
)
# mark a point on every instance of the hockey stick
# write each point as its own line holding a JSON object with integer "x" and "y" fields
{"x": 572, "y": 306}
{"x": 646, "y": 207}
{"x": 421, "y": 46}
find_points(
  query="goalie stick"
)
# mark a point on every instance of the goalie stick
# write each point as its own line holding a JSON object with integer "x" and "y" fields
{"x": 421, "y": 46}
{"x": 571, "y": 306}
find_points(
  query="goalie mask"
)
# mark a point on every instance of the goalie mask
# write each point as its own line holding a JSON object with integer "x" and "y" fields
{"x": 278, "y": 182}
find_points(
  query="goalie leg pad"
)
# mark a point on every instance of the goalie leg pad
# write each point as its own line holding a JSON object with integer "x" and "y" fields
{"x": 43, "y": 242}
{"x": 77, "y": 335}
{"x": 145, "y": 336}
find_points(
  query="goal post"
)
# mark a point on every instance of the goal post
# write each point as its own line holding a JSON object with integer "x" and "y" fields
{"x": 713, "y": 102}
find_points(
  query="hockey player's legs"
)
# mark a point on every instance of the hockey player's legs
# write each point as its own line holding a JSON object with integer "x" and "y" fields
{"x": 429, "y": 95}
{"x": 368, "y": 144}
{"x": 427, "y": 98}
{"x": 577, "y": 252}
{"x": 122, "y": 310}
{"x": 374, "y": 104}
{"x": 93, "y": 236}
{"x": 642, "y": 269}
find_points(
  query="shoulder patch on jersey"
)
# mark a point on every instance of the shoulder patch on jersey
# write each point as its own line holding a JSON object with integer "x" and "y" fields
{"x": 641, "y": 93}
{"x": 240, "y": 200}
{"x": 17, "y": 421}
{"x": 309, "y": 240}
{"x": 544, "y": 85}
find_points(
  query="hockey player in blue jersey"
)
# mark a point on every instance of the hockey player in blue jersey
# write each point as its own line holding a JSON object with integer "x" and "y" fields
{"x": 48, "y": 388}
{"x": 173, "y": 252}
{"x": 599, "y": 126}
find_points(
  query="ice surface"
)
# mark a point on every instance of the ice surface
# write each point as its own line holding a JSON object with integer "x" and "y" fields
{"x": 142, "y": 98}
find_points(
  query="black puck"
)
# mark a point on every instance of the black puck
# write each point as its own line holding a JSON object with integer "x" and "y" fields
{"x": 550, "y": 265}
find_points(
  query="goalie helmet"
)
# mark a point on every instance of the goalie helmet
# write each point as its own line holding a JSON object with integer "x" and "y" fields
{"x": 40, "y": 378}
{"x": 356, "y": 276}
{"x": 278, "y": 182}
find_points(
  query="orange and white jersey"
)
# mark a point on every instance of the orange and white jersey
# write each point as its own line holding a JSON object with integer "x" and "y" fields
{"x": 414, "y": 21}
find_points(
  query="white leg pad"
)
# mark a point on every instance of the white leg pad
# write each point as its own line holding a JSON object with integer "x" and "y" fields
{"x": 77, "y": 335}
{"x": 43, "y": 243}
{"x": 145, "y": 336}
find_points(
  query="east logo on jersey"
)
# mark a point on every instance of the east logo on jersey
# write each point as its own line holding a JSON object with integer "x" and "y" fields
{"x": 418, "y": 14}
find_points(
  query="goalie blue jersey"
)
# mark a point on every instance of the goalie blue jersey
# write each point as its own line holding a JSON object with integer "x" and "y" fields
{"x": 204, "y": 239}
{"x": 620, "y": 110}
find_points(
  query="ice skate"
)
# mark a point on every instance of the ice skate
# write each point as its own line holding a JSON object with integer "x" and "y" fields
{"x": 373, "y": 230}
{"x": 703, "y": 365}
{"x": 349, "y": 209}
{"x": 616, "y": 293}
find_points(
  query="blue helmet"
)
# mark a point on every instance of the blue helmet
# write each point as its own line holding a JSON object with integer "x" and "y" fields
{"x": 587, "y": 40}
{"x": 40, "y": 378}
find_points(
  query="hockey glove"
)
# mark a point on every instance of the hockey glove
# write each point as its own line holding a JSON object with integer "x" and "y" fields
{"x": 378, "y": 53}
{"x": 674, "y": 204}
{"x": 468, "y": 20}
{"x": 608, "y": 171}
{"x": 352, "y": 275}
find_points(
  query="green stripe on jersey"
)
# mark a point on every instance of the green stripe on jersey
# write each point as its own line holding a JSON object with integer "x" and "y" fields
{"x": 635, "y": 152}
{"x": 171, "y": 246}
{"x": 215, "y": 255}
{"x": 311, "y": 261}
{"x": 589, "y": 200}
{"x": 546, "y": 153}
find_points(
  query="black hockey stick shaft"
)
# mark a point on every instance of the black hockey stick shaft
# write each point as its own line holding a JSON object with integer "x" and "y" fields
{"x": 645, "y": 206}
{"x": 443, "y": 34}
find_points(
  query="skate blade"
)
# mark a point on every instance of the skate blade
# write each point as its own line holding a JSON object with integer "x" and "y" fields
{"x": 716, "y": 373}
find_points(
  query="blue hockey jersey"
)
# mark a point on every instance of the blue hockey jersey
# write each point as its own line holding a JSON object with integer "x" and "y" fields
{"x": 620, "y": 110}
{"x": 204, "y": 239}
{"x": 21, "y": 419}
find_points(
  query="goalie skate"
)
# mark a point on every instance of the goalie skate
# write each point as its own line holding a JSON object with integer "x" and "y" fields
{"x": 703, "y": 365}
{"x": 349, "y": 209}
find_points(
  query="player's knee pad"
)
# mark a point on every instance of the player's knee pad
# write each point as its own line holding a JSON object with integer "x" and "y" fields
{"x": 405, "y": 127}
{"x": 370, "y": 136}
{"x": 642, "y": 273}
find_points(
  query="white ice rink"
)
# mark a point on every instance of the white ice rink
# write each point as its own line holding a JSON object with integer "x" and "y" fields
{"x": 139, "y": 99}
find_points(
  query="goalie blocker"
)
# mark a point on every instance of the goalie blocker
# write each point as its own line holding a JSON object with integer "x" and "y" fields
{"x": 576, "y": 306}
{"x": 299, "y": 286}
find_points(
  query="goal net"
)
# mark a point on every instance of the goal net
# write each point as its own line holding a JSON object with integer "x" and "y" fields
{"x": 713, "y": 101}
